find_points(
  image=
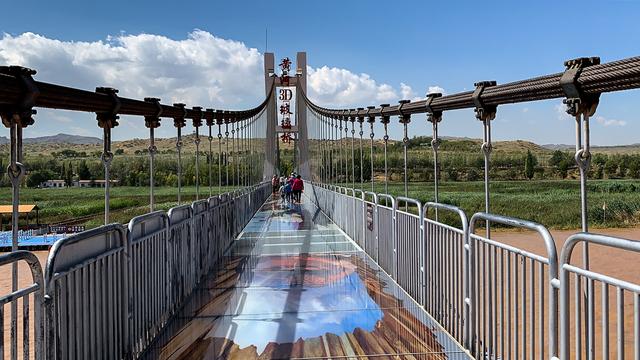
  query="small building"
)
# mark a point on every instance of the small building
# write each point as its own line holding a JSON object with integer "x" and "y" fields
{"x": 93, "y": 183}
{"x": 56, "y": 184}
{"x": 22, "y": 209}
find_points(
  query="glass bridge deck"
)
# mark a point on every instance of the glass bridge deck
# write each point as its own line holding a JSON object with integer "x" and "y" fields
{"x": 295, "y": 286}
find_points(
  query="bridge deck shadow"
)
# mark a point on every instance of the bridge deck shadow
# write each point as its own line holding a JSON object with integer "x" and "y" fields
{"x": 295, "y": 286}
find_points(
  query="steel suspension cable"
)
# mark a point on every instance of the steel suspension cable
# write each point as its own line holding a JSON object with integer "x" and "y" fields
{"x": 152, "y": 123}
{"x": 179, "y": 123}
{"x": 353, "y": 163}
{"x": 485, "y": 113}
{"x": 346, "y": 154}
{"x": 405, "y": 119}
{"x": 360, "y": 122}
{"x": 210, "y": 157}
{"x": 434, "y": 117}
{"x": 219, "y": 122}
{"x": 371, "y": 119}
{"x": 226, "y": 153}
{"x": 197, "y": 122}
{"x": 385, "y": 119}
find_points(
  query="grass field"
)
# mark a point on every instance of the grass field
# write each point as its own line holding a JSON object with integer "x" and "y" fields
{"x": 554, "y": 203}
{"x": 57, "y": 205}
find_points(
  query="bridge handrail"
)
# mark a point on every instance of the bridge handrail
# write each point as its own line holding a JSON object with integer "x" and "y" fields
{"x": 564, "y": 282}
{"x": 36, "y": 288}
{"x": 551, "y": 260}
{"x": 83, "y": 250}
{"x": 451, "y": 208}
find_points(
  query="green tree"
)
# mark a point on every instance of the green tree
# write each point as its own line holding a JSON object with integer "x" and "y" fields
{"x": 68, "y": 175}
{"x": 557, "y": 157}
{"x": 563, "y": 167}
{"x": 83, "y": 171}
{"x": 39, "y": 176}
{"x": 530, "y": 162}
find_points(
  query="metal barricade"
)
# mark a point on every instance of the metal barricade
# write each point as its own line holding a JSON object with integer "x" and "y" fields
{"x": 200, "y": 215}
{"x": 358, "y": 218}
{"x": 183, "y": 269}
{"x": 217, "y": 239}
{"x": 87, "y": 296}
{"x": 409, "y": 247}
{"x": 445, "y": 269}
{"x": 581, "y": 334}
{"x": 370, "y": 226}
{"x": 149, "y": 255}
{"x": 386, "y": 235}
{"x": 349, "y": 212}
{"x": 508, "y": 316}
{"x": 32, "y": 333}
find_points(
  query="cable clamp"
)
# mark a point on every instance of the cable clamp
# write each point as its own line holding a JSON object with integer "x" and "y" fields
{"x": 22, "y": 111}
{"x": 432, "y": 115}
{"x": 577, "y": 101}
{"x": 483, "y": 112}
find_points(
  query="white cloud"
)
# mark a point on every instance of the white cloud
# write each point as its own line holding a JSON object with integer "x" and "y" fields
{"x": 201, "y": 69}
{"x": 561, "y": 112}
{"x": 330, "y": 86}
{"x": 435, "y": 89}
{"x": 610, "y": 122}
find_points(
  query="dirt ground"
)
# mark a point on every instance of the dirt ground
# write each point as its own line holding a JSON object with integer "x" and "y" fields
{"x": 614, "y": 263}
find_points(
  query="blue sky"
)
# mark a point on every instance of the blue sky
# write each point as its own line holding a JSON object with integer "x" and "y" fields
{"x": 448, "y": 44}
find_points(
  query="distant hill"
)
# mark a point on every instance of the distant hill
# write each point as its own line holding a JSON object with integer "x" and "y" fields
{"x": 613, "y": 149}
{"x": 45, "y": 145}
{"x": 57, "y": 139}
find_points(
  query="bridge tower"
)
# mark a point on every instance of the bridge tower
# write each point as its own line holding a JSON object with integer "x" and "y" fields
{"x": 299, "y": 82}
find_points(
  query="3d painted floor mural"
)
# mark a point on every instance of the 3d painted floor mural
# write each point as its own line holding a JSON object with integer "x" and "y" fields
{"x": 294, "y": 286}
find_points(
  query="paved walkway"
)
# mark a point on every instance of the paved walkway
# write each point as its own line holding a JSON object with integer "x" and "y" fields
{"x": 295, "y": 286}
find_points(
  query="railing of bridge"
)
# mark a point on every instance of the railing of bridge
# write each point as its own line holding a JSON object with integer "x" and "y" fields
{"x": 106, "y": 293}
{"x": 498, "y": 300}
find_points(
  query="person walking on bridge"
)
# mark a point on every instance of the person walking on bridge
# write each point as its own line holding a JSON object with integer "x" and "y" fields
{"x": 298, "y": 187}
{"x": 275, "y": 184}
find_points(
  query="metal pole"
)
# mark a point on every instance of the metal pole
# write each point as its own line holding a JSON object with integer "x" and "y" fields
{"x": 152, "y": 122}
{"x": 360, "y": 122}
{"x": 340, "y": 156}
{"x": 237, "y": 155}
{"x": 233, "y": 154}
{"x": 485, "y": 114}
{"x": 107, "y": 121}
{"x": 434, "y": 117}
{"x": 16, "y": 172}
{"x": 405, "y": 119}
{"x": 152, "y": 152}
{"x": 346, "y": 155}
{"x": 371, "y": 120}
{"x": 197, "y": 122}
{"x": 179, "y": 123}
{"x": 219, "y": 159}
{"x": 336, "y": 147}
{"x": 210, "y": 159}
{"x": 353, "y": 161}
{"x": 16, "y": 118}
{"x": 385, "y": 121}
{"x": 226, "y": 153}
{"x": 486, "y": 151}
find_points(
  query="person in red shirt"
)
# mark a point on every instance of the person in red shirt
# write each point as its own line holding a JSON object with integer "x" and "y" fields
{"x": 298, "y": 187}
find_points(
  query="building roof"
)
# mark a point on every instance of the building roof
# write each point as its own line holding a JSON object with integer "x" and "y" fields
{"x": 97, "y": 181}
{"x": 22, "y": 209}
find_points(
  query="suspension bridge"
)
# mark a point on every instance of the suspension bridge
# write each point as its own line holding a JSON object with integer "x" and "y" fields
{"x": 347, "y": 273}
